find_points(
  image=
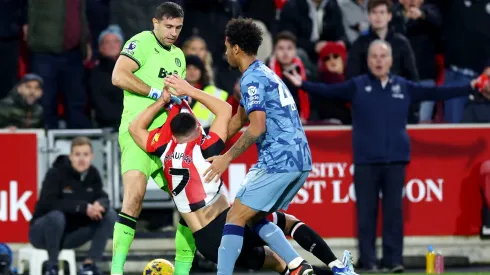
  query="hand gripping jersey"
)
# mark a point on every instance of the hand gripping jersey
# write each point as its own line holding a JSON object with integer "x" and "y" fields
{"x": 184, "y": 164}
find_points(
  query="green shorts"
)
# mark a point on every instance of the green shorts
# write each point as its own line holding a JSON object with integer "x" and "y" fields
{"x": 133, "y": 158}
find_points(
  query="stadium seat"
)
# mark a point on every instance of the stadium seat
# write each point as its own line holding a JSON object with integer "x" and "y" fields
{"x": 36, "y": 258}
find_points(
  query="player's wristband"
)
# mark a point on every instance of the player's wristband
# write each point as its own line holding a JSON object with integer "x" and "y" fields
{"x": 175, "y": 99}
{"x": 155, "y": 93}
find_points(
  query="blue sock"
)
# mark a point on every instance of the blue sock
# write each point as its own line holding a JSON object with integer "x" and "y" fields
{"x": 230, "y": 248}
{"x": 275, "y": 239}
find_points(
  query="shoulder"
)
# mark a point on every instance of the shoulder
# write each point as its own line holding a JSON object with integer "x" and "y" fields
{"x": 93, "y": 171}
{"x": 361, "y": 42}
{"x": 38, "y": 108}
{"x": 360, "y": 80}
{"x": 400, "y": 38}
{"x": 345, "y": 3}
{"x": 142, "y": 36}
{"x": 139, "y": 40}
{"x": 178, "y": 51}
{"x": 399, "y": 79}
{"x": 7, "y": 101}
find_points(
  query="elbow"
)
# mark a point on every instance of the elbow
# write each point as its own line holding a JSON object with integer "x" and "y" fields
{"x": 227, "y": 110}
{"x": 258, "y": 128}
{"x": 116, "y": 79}
{"x": 133, "y": 128}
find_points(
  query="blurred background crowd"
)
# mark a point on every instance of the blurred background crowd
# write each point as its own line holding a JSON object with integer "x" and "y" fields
{"x": 58, "y": 55}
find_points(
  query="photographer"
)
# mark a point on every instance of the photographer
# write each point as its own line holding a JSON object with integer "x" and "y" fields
{"x": 73, "y": 209}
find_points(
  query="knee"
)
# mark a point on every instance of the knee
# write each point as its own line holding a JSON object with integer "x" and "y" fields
{"x": 56, "y": 219}
{"x": 290, "y": 222}
{"x": 110, "y": 218}
{"x": 237, "y": 216}
{"x": 134, "y": 192}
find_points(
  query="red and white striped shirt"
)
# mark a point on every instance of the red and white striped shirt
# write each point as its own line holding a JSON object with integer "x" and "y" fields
{"x": 184, "y": 164}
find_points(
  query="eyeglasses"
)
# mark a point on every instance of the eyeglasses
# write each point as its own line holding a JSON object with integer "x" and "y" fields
{"x": 334, "y": 56}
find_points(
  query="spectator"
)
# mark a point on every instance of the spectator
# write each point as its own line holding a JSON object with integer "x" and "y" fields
{"x": 478, "y": 108}
{"x": 285, "y": 58}
{"x": 12, "y": 18}
{"x": 354, "y": 18}
{"x": 380, "y": 103}
{"x": 466, "y": 47}
{"x": 197, "y": 76}
{"x": 73, "y": 209}
{"x": 107, "y": 99}
{"x": 331, "y": 68}
{"x": 421, "y": 24}
{"x": 195, "y": 45}
{"x": 379, "y": 14}
{"x": 324, "y": 23}
{"x": 264, "y": 11}
{"x": 21, "y": 109}
{"x": 208, "y": 19}
{"x": 59, "y": 40}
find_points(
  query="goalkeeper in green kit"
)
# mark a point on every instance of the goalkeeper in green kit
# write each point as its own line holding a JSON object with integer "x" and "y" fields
{"x": 146, "y": 59}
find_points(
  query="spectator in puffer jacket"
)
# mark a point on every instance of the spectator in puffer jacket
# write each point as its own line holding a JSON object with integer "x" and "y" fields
{"x": 20, "y": 109}
{"x": 107, "y": 99}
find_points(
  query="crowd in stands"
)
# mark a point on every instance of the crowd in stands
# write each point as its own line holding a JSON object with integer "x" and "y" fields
{"x": 58, "y": 56}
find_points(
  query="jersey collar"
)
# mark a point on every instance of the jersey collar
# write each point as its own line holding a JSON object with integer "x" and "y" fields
{"x": 160, "y": 43}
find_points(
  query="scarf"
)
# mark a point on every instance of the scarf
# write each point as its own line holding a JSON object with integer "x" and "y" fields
{"x": 304, "y": 98}
{"x": 316, "y": 15}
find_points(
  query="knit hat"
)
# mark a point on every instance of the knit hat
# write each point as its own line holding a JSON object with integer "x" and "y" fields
{"x": 334, "y": 48}
{"x": 112, "y": 29}
{"x": 31, "y": 77}
{"x": 195, "y": 61}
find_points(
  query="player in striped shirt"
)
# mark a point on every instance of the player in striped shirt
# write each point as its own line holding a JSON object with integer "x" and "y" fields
{"x": 183, "y": 148}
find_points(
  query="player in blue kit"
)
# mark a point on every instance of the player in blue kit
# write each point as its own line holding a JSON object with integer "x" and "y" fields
{"x": 284, "y": 155}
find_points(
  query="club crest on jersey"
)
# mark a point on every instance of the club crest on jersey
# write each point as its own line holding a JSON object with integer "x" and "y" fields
{"x": 177, "y": 62}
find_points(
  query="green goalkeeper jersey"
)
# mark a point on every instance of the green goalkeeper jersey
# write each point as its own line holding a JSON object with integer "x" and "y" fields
{"x": 155, "y": 62}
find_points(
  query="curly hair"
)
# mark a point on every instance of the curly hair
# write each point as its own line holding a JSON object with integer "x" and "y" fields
{"x": 244, "y": 33}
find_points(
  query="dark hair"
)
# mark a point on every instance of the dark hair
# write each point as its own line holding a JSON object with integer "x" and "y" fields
{"x": 372, "y": 4}
{"x": 169, "y": 10}
{"x": 245, "y": 34}
{"x": 183, "y": 124}
{"x": 285, "y": 35}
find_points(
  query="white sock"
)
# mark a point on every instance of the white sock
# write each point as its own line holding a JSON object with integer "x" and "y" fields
{"x": 295, "y": 263}
{"x": 336, "y": 263}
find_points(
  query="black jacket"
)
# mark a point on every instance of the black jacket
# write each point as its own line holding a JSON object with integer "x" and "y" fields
{"x": 403, "y": 57}
{"x": 294, "y": 18}
{"x": 14, "y": 111}
{"x": 379, "y": 115}
{"x": 107, "y": 99}
{"x": 13, "y": 14}
{"x": 466, "y": 33}
{"x": 424, "y": 36}
{"x": 63, "y": 190}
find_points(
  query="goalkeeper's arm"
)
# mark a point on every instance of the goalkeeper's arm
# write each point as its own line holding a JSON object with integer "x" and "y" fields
{"x": 124, "y": 78}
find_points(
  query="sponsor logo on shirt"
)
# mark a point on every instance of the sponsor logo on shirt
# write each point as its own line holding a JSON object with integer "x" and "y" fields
{"x": 155, "y": 138}
{"x": 252, "y": 90}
